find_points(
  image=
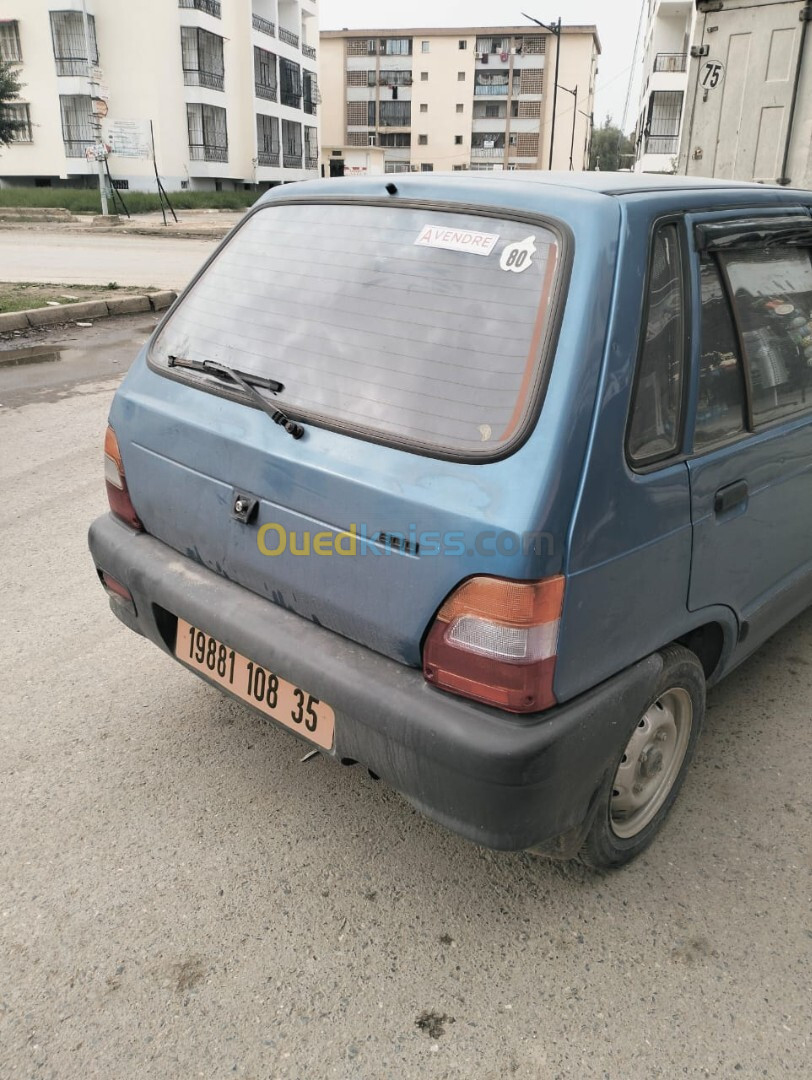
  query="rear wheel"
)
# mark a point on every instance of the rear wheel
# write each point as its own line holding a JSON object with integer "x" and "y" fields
{"x": 646, "y": 777}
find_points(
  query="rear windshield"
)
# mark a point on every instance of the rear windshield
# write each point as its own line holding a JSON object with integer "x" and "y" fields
{"x": 409, "y": 326}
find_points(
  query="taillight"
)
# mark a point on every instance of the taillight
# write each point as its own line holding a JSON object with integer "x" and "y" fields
{"x": 117, "y": 494}
{"x": 495, "y": 641}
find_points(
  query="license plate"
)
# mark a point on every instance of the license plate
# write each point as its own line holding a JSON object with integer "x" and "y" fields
{"x": 256, "y": 685}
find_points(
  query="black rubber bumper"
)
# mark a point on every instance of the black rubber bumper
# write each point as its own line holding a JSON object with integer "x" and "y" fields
{"x": 502, "y": 781}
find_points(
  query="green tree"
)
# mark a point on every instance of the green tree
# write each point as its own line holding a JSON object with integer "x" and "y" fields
{"x": 9, "y": 92}
{"x": 610, "y": 149}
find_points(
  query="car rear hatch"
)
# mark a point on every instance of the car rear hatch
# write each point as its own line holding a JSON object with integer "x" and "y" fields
{"x": 412, "y": 343}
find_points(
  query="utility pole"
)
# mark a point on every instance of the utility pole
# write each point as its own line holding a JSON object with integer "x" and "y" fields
{"x": 99, "y": 148}
{"x": 575, "y": 111}
{"x": 556, "y": 30}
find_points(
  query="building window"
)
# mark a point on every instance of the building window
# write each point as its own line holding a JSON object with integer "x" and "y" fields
{"x": 68, "y": 35}
{"x": 208, "y": 133}
{"x": 531, "y": 81}
{"x": 20, "y": 116}
{"x": 424, "y": 107}
{"x": 396, "y": 166}
{"x": 424, "y": 76}
{"x": 310, "y": 91}
{"x": 264, "y": 74}
{"x": 360, "y": 46}
{"x": 10, "y": 41}
{"x": 211, "y": 7}
{"x": 291, "y": 83}
{"x": 360, "y": 78}
{"x": 396, "y": 46}
{"x": 460, "y": 76}
{"x": 312, "y": 147}
{"x": 77, "y": 123}
{"x": 425, "y": 167}
{"x": 458, "y": 140}
{"x": 267, "y": 140}
{"x": 395, "y": 139}
{"x": 423, "y": 140}
{"x": 291, "y": 144}
{"x": 462, "y": 44}
{"x": 424, "y": 46}
{"x": 492, "y": 111}
{"x": 460, "y": 108}
{"x": 395, "y": 113}
{"x": 398, "y": 77}
{"x": 202, "y": 55}
{"x": 662, "y": 126}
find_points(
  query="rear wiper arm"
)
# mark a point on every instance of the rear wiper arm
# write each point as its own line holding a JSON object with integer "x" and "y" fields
{"x": 248, "y": 382}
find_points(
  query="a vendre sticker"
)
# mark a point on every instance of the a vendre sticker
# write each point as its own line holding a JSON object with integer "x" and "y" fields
{"x": 475, "y": 243}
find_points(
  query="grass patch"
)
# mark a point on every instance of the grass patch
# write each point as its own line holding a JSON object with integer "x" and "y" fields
{"x": 81, "y": 200}
{"x": 22, "y": 296}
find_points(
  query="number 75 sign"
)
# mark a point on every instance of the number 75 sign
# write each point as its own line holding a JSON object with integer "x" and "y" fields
{"x": 712, "y": 73}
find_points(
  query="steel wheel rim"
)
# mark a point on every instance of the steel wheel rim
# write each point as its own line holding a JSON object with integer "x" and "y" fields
{"x": 651, "y": 763}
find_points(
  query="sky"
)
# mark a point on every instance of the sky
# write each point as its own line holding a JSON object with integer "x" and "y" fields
{"x": 616, "y": 21}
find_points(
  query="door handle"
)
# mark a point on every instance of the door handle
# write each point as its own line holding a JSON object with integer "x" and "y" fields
{"x": 729, "y": 497}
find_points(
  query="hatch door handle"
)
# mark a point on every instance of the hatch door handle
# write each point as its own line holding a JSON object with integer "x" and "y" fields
{"x": 729, "y": 497}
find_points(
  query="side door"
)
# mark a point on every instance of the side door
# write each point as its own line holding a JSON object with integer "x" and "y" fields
{"x": 751, "y": 466}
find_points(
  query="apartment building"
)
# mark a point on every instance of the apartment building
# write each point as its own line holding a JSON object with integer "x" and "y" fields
{"x": 667, "y": 39}
{"x": 227, "y": 89}
{"x": 461, "y": 98}
{"x": 727, "y": 90}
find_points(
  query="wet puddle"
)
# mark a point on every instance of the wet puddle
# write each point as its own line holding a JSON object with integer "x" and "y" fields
{"x": 31, "y": 354}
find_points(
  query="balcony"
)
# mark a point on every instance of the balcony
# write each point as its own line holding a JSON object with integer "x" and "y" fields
{"x": 487, "y": 151}
{"x": 268, "y": 93}
{"x": 666, "y": 61}
{"x": 210, "y": 7}
{"x": 210, "y": 79}
{"x": 293, "y": 161}
{"x": 289, "y": 37}
{"x": 268, "y": 157}
{"x": 491, "y": 90}
{"x": 662, "y": 144}
{"x": 208, "y": 153}
{"x": 292, "y": 99}
{"x": 309, "y": 52}
{"x": 263, "y": 25}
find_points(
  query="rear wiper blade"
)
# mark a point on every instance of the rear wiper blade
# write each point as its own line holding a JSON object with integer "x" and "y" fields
{"x": 248, "y": 382}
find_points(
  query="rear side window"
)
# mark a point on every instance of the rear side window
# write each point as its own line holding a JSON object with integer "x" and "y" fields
{"x": 772, "y": 295}
{"x": 654, "y": 429}
{"x": 720, "y": 412}
{"x": 410, "y": 326}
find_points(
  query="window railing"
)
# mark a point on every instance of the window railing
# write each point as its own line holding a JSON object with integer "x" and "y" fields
{"x": 662, "y": 144}
{"x": 309, "y": 106}
{"x": 208, "y": 153}
{"x": 290, "y": 97}
{"x": 210, "y": 7}
{"x": 491, "y": 90}
{"x": 312, "y": 161}
{"x": 289, "y": 37}
{"x": 77, "y": 147}
{"x": 266, "y": 92}
{"x": 309, "y": 51}
{"x": 667, "y": 61}
{"x": 293, "y": 161}
{"x": 487, "y": 151}
{"x": 209, "y": 79}
{"x": 268, "y": 157}
{"x": 263, "y": 25}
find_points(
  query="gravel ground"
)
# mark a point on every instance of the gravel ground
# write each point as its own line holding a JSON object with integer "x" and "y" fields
{"x": 180, "y": 897}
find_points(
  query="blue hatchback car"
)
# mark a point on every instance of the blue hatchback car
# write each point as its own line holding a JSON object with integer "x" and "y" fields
{"x": 479, "y": 481}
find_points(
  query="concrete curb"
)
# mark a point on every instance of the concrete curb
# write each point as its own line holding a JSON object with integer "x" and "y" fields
{"x": 89, "y": 309}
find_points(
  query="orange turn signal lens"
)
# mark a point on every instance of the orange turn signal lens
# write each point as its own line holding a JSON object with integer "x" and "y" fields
{"x": 117, "y": 494}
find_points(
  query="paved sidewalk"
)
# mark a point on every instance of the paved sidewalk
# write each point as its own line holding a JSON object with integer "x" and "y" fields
{"x": 88, "y": 258}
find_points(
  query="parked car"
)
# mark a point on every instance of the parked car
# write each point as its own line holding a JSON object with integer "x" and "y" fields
{"x": 479, "y": 481}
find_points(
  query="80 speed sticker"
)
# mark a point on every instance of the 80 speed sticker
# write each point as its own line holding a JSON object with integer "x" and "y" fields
{"x": 518, "y": 256}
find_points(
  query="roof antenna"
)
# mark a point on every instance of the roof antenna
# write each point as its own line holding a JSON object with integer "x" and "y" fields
{"x": 392, "y": 188}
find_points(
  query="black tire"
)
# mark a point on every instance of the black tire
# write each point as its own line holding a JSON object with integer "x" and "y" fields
{"x": 682, "y": 679}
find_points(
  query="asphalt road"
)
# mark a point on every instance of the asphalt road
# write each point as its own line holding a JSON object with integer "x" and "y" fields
{"x": 74, "y": 258}
{"x": 180, "y": 897}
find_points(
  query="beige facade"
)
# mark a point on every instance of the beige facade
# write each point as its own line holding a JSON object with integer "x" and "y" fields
{"x": 460, "y": 98}
{"x": 230, "y": 88}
